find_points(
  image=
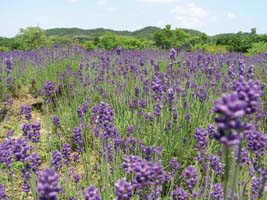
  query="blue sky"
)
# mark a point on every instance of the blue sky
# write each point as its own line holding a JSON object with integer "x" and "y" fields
{"x": 210, "y": 16}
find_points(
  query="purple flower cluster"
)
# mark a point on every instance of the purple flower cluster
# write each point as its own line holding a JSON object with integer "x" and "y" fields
{"x": 6, "y": 154}
{"x": 27, "y": 111}
{"x": 147, "y": 173}
{"x": 31, "y": 131}
{"x": 255, "y": 183}
{"x": 66, "y": 150}
{"x": 2, "y": 192}
{"x": 215, "y": 164}
{"x": 20, "y": 150}
{"x": 48, "y": 88}
{"x": 102, "y": 114}
{"x": 9, "y": 63}
{"x": 248, "y": 92}
{"x": 256, "y": 140}
{"x": 34, "y": 161}
{"x": 201, "y": 137}
{"x": 56, "y": 121}
{"x": 77, "y": 136}
{"x": 174, "y": 165}
{"x": 123, "y": 190}
{"x": 47, "y": 185}
{"x": 173, "y": 54}
{"x": 244, "y": 100}
{"x": 189, "y": 176}
{"x": 231, "y": 109}
{"x": 179, "y": 194}
{"x": 91, "y": 193}
{"x": 82, "y": 109}
{"x": 217, "y": 192}
{"x": 56, "y": 160}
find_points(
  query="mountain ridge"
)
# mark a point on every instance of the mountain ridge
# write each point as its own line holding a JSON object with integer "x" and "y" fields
{"x": 146, "y": 32}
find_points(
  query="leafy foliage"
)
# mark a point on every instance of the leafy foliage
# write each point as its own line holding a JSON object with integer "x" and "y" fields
{"x": 31, "y": 38}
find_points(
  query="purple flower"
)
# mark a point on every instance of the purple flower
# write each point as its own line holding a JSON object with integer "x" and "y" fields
{"x": 231, "y": 109}
{"x": 130, "y": 130}
{"x": 158, "y": 108}
{"x": 77, "y": 136}
{"x": 217, "y": 192}
{"x": 47, "y": 185}
{"x": 83, "y": 109}
{"x": 123, "y": 190}
{"x": 102, "y": 114}
{"x": 9, "y": 63}
{"x": 66, "y": 149}
{"x": 48, "y": 88}
{"x": 254, "y": 192}
{"x": 2, "y": 192}
{"x": 76, "y": 178}
{"x": 201, "y": 137}
{"x": 174, "y": 165}
{"x": 173, "y": 54}
{"x": 187, "y": 117}
{"x": 75, "y": 157}
{"x": 256, "y": 141}
{"x": 174, "y": 114}
{"x": 56, "y": 160}
{"x": 136, "y": 91}
{"x": 34, "y": 162}
{"x": 147, "y": 173}
{"x": 91, "y": 193}
{"x": 6, "y": 152}
{"x": 179, "y": 194}
{"x": 142, "y": 103}
{"x": 25, "y": 177}
{"x": 170, "y": 96}
{"x": 27, "y": 111}
{"x": 31, "y": 131}
{"x": 56, "y": 121}
{"x": 20, "y": 150}
{"x": 249, "y": 92}
{"x": 189, "y": 176}
{"x": 215, "y": 164}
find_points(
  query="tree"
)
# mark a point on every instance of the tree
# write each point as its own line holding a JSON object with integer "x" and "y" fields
{"x": 31, "y": 38}
{"x": 163, "y": 38}
{"x": 108, "y": 41}
{"x": 181, "y": 39}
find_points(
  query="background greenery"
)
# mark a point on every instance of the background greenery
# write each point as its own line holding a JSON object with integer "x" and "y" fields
{"x": 149, "y": 37}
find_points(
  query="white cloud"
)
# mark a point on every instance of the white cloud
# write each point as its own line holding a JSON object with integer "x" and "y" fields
{"x": 105, "y": 5}
{"x": 157, "y": 1}
{"x": 231, "y": 15}
{"x": 190, "y": 15}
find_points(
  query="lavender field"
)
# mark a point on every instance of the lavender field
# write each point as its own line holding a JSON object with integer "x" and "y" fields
{"x": 132, "y": 124}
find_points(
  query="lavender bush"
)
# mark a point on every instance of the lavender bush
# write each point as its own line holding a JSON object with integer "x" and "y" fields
{"x": 122, "y": 125}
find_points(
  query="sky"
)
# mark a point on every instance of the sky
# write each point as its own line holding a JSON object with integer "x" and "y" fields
{"x": 209, "y": 16}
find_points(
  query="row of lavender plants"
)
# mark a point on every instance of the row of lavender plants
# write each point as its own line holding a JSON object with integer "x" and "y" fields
{"x": 120, "y": 124}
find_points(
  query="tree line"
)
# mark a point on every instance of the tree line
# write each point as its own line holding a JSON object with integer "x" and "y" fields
{"x": 32, "y": 38}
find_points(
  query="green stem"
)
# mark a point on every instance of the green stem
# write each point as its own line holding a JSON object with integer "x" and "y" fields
{"x": 262, "y": 187}
{"x": 226, "y": 171}
{"x": 236, "y": 169}
{"x": 12, "y": 186}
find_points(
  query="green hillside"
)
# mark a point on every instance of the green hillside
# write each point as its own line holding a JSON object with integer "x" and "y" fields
{"x": 146, "y": 32}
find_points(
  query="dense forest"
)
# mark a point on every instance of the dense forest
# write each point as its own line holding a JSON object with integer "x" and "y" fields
{"x": 149, "y": 37}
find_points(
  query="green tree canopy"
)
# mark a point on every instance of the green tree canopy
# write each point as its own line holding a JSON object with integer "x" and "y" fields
{"x": 31, "y": 38}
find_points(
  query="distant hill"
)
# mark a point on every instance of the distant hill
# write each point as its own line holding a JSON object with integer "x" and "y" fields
{"x": 146, "y": 32}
